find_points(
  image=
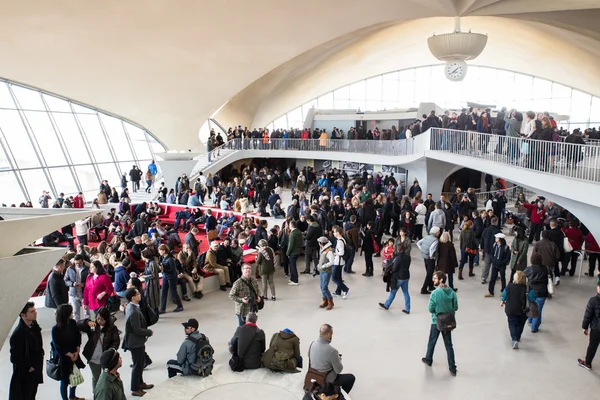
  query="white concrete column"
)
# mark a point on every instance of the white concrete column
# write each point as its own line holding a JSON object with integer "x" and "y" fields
{"x": 431, "y": 175}
{"x": 173, "y": 169}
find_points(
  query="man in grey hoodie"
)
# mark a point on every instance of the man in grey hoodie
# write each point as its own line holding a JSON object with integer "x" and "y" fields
{"x": 437, "y": 218}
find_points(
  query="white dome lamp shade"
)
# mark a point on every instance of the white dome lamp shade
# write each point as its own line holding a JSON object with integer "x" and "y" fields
{"x": 456, "y": 48}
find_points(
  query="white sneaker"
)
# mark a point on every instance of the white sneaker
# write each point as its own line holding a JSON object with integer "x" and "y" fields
{"x": 290, "y": 283}
{"x": 345, "y": 294}
{"x": 335, "y": 294}
{"x": 556, "y": 280}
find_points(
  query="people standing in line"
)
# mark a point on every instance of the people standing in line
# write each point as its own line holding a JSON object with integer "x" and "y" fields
{"x": 468, "y": 250}
{"x": 442, "y": 300}
{"x": 102, "y": 335}
{"x": 537, "y": 276}
{"x": 57, "y": 292}
{"x": 169, "y": 281}
{"x": 447, "y": 261}
{"x": 500, "y": 259}
{"x": 249, "y": 342}
{"x": 294, "y": 248}
{"x": 66, "y": 340}
{"x": 368, "y": 238}
{"x": 246, "y": 294}
{"x": 136, "y": 335}
{"x": 75, "y": 278}
{"x": 519, "y": 249}
{"x": 325, "y": 267}
{"x": 398, "y": 273}
{"x": 110, "y": 385}
{"x": 338, "y": 262}
{"x": 325, "y": 358}
{"x": 488, "y": 238}
{"x": 428, "y": 247}
{"x": 265, "y": 263}
{"x": 514, "y": 301}
{"x": 591, "y": 328}
{"x": 26, "y": 355}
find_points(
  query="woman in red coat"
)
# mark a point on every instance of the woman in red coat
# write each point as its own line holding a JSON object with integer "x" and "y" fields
{"x": 576, "y": 239}
{"x": 538, "y": 216}
{"x": 98, "y": 288}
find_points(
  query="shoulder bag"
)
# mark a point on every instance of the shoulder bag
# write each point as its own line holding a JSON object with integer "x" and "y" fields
{"x": 313, "y": 375}
{"x": 446, "y": 321}
{"x": 532, "y": 309}
{"x": 236, "y": 362}
{"x": 53, "y": 365}
{"x": 259, "y": 305}
{"x": 376, "y": 248}
{"x": 566, "y": 244}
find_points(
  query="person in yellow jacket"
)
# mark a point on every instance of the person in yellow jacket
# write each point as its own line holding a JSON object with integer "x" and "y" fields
{"x": 323, "y": 139}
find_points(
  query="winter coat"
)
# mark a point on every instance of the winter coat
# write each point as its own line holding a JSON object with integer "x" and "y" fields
{"x": 284, "y": 343}
{"x": 447, "y": 261}
{"x": 519, "y": 261}
{"x": 467, "y": 239}
{"x": 93, "y": 287}
{"x": 265, "y": 261}
{"x": 591, "y": 318}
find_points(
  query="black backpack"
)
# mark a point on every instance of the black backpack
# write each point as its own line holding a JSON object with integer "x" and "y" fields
{"x": 205, "y": 362}
{"x": 201, "y": 260}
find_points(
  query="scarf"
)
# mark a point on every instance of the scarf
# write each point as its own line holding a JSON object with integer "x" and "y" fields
{"x": 265, "y": 253}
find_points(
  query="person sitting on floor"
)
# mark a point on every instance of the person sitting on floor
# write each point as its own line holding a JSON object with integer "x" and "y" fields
{"x": 195, "y": 356}
{"x": 248, "y": 342}
{"x": 283, "y": 353}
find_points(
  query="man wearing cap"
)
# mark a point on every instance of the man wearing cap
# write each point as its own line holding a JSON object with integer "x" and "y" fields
{"x": 186, "y": 356}
{"x": 326, "y": 259}
{"x": 428, "y": 246}
{"x": 488, "y": 238}
{"x": 110, "y": 385}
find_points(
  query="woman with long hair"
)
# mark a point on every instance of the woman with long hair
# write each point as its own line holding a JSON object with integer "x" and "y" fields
{"x": 398, "y": 274}
{"x": 98, "y": 287}
{"x": 468, "y": 248}
{"x": 66, "y": 341}
{"x": 447, "y": 262}
{"x": 514, "y": 301}
{"x": 265, "y": 263}
{"x": 102, "y": 335}
{"x": 151, "y": 278}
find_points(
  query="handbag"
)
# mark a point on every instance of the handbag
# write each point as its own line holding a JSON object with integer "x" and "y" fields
{"x": 236, "y": 362}
{"x": 550, "y": 285}
{"x": 470, "y": 251}
{"x": 532, "y": 310}
{"x": 113, "y": 303}
{"x": 567, "y": 245}
{"x": 260, "y": 304}
{"x": 446, "y": 321}
{"x": 376, "y": 247}
{"x": 212, "y": 234}
{"x": 76, "y": 378}
{"x": 313, "y": 376}
{"x": 151, "y": 316}
{"x": 53, "y": 365}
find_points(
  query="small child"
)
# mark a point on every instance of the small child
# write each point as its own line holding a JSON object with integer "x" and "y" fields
{"x": 386, "y": 254}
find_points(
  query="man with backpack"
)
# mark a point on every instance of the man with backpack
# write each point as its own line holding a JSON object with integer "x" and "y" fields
{"x": 195, "y": 356}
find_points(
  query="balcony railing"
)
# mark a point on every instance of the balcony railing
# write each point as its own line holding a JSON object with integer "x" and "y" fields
{"x": 556, "y": 158}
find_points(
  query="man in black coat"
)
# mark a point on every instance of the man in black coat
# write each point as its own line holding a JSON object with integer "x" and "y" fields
{"x": 591, "y": 321}
{"x": 26, "y": 356}
{"x": 313, "y": 232}
{"x": 57, "y": 292}
{"x": 261, "y": 231}
{"x": 488, "y": 238}
{"x": 556, "y": 235}
{"x": 190, "y": 239}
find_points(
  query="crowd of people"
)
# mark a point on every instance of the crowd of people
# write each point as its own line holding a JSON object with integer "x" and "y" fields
{"x": 331, "y": 217}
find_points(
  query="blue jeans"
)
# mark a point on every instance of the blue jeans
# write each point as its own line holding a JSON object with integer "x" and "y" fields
{"x": 434, "y": 333}
{"x": 325, "y": 277}
{"x": 169, "y": 282}
{"x": 293, "y": 269}
{"x": 516, "y": 323}
{"x": 241, "y": 321}
{"x": 536, "y": 322}
{"x": 402, "y": 284}
{"x": 349, "y": 262}
{"x": 63, "y": 390}
{"x": 337, "y": 279}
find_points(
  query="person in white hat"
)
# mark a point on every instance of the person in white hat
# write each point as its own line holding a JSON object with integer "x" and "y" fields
{"x": 325, "y": 267}
{"x": 500, "y": 259}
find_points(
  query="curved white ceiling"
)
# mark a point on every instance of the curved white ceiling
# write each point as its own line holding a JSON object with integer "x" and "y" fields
{"x": 169, "y": 65}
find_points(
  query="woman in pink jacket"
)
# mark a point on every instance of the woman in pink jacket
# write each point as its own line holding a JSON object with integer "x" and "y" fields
{"x": 98, "y": 288}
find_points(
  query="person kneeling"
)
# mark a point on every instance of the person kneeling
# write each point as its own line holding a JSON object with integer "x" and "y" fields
{"x": 195, "y": 356}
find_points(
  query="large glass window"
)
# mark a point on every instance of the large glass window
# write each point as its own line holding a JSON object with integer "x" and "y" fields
{"x": 49, "y": 140}
{"x": 490, "y": 86}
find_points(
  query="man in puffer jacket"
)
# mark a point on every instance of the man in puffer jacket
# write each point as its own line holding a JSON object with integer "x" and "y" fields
{"x": 591, "y": 321}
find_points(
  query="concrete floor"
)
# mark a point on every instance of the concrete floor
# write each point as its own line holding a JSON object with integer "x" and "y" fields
{"x": 384, "y": 348}
{"x": 246, "y": 391}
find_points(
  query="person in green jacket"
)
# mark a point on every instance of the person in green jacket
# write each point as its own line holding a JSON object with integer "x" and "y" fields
{"x": 442, "y": 300}
{"x": 518, "y": 249}
{"x": 293, "y": 252}
{"x": 110, "y": 385}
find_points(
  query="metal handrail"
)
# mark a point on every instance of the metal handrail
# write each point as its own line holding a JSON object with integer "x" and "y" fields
{"x": 576, "y": 161}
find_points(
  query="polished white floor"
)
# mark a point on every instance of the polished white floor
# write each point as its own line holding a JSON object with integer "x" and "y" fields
{"x": 384, "y": 348}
